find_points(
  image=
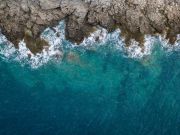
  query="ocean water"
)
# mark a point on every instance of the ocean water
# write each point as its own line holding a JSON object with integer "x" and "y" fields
{"x": 96, "y": 88}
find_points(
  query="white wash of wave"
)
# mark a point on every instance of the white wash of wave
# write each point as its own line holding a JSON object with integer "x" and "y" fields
{"x": 169, "y": 48}
{"x": 56, "y": 38}
{"x": 6, "y": 48}
{"x": 137, "y": 51}
{"x": 114, "y": 40}
{"x": 24, "y": 55}
{"x": 134, "y": 50}
{"x": 39, "y": 59}
{"x": 100, "y": 38}
{"x": 95, "y": 39}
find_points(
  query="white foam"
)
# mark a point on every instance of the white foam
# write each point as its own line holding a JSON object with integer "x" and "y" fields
{"x": 39, "y": 59}
{"x": 6, "y": 48}
{"x": 24, "y": 55}
{"x": 114, "y": 40}
{"x": 136, "y": 51}
{"x": 169, "y": 47}
{"x": 100, "y": 38}
{"x": 96, "y": 39}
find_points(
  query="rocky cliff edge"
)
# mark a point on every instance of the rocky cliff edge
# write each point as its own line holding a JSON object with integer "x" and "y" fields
{"x": 26, "y": 19}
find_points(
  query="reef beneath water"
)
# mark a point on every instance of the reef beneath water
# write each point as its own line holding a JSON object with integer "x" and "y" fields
{"x": 27, "y": 19}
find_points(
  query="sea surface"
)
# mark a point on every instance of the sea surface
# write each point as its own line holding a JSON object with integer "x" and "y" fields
{"x": 96, "y": 88}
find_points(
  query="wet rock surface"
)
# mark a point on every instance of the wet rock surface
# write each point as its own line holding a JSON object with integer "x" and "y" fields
{"x": 135, "y": 18}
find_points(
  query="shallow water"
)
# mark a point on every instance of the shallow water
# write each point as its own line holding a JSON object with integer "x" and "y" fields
{"x": 96, "y": 91}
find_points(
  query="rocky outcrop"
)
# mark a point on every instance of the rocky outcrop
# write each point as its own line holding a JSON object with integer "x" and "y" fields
{"x": 135, "y": 18}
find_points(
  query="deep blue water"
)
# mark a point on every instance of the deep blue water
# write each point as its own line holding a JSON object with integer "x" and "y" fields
{"x": 96, "y": 92}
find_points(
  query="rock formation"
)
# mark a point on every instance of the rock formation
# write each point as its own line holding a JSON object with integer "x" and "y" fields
{"x": 135, "y": 18}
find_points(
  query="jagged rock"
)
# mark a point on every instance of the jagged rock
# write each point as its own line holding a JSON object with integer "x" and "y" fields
{"x": 25, "y": 6}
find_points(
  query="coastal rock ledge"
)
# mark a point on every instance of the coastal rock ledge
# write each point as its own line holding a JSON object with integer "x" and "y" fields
{"x": 26, "y": 19}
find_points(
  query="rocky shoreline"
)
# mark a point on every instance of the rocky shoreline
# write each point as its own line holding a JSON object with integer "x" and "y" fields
{"x": 26, "y": 19}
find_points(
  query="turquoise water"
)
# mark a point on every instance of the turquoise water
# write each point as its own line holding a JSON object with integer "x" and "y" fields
{"x": 92, "y": 92}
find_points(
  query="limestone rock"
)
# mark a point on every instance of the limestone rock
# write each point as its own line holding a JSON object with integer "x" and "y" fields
{"x": 2, "y": 4}
{"x": 49, "y": 4}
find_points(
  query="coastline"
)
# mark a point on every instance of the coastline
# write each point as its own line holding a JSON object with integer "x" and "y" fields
{"x": 60, "y": 48}
{"x": 22, "y": 19}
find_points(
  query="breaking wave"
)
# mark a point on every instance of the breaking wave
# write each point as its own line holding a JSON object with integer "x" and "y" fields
{"x": 99, "y": 38}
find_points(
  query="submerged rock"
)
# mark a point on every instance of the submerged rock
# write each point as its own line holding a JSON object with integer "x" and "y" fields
{"x": 135, "y": 18}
